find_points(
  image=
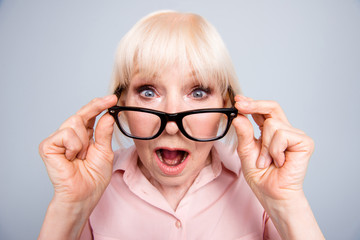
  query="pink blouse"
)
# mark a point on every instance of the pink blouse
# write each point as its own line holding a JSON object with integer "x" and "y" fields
{"x": 219, "y": 205}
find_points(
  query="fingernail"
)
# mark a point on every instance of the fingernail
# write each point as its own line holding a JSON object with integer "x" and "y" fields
{"x": 268, "y": 162}
{"x": 276, "y": 164}
{"x": 261, "y": 162}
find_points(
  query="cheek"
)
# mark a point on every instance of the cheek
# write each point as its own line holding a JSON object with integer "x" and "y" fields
{"x": 144, "y": 151}
{"x": 201, "y": 156}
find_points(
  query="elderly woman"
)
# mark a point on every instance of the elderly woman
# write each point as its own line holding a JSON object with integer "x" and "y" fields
{"x": 175, "y": 96}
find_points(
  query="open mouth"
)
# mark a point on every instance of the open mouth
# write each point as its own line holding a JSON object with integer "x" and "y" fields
{"x": 171, "y": 162}
{"x": 171, "y": 158}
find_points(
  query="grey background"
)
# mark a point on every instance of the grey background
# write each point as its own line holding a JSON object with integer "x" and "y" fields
{"x": 55, "y": 56}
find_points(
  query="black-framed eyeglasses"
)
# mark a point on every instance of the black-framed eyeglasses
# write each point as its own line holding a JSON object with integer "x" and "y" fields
{"x": 203, "y": 125}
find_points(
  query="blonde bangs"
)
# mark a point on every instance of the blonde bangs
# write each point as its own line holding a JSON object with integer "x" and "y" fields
{"x": 165, "y": 39}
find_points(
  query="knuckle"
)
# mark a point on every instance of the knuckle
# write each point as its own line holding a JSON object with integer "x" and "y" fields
{"x": 75, "y": 120}
{"x": 271, "y": 123}
{"x": 42, "y": 148}
{"x": 70, "y": 137}
{"x": 74, "y": 147}
{"x": 68, "y": 133}
{"x": 274, "y": 104}
{"x": 281, "y": 133}
{"x": 270, "y": 126}
{"x": 275, "y": 151}
{"x": 301, "y": 132}
{"x": 95, "y": 101}
{"x": 310, "y": 142}
{"x": 45, "y": 148}
{"x": 265, "y": 145}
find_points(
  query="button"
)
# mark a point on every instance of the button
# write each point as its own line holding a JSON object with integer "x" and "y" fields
{"x": 178, "y": 224}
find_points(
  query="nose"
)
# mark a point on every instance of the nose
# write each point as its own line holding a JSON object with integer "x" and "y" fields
{"x": 171, "y": 128}
{"x": 172, "y": 105}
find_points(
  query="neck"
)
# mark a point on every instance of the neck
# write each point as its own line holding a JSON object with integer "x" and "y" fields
{"x": 172, "y": 193}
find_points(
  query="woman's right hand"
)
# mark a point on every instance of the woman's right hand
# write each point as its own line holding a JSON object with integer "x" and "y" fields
{"x": 79, "y": 165}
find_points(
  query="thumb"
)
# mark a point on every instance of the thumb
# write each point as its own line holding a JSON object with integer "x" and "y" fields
{"x": 248, "y": 149}
{"x": 103, "y": 132}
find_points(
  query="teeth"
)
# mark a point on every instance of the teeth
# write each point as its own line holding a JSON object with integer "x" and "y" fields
{"x": 159, "y": 156}
{"x": 184, "y": 157}
{"x": 158, "y": 153}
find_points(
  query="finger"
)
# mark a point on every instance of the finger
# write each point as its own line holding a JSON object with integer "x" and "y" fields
{"x": 285, "y": 142}
{"x": 64, "y": 141}
{"x": 89, "y": 112}
{"x": 258, "y": 118}
{"x": 269, "y": 109}
{"x": 269, "y": 129}
{"x": 264, "y": 159}
{"x": 76, "y": 123}
{"x": 247, "y": 146}
{"x": 103, "y": 133}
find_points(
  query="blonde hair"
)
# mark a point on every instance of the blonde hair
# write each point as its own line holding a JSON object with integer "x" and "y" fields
{"x": 165, "y": 38}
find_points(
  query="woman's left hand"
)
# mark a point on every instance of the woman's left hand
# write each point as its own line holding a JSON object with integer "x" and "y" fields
{"x": 275, "y": 164}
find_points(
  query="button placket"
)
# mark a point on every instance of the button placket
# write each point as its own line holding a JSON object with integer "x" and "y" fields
{"x": 178, "y": 224}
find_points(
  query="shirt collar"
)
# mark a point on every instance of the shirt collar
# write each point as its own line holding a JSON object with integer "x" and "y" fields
{"x": 125, "y": 158}
{"x": 225, "y": 155}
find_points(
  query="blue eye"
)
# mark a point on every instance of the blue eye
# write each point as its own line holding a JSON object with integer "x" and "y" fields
{"x": 199, "y": 93}
{"x": 148, "y": 93}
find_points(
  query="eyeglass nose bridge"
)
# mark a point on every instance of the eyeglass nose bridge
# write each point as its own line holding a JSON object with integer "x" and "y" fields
{"x": 174, "y": 117}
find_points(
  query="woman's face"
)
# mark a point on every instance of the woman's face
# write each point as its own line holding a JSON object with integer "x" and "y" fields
{"x": 172, "y": 159}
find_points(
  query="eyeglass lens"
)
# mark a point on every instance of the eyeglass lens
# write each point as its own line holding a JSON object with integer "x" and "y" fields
{"x": 201, "y": 126}
{"x": 139, "y": 124}
{"x": 205, "y": 125}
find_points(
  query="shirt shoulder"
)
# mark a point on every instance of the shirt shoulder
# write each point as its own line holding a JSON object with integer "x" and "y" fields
{"x": 124, "y": 157}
